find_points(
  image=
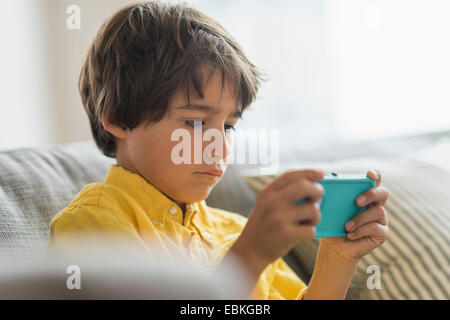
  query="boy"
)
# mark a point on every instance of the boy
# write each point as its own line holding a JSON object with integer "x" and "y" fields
{"x": 155, "y": 68}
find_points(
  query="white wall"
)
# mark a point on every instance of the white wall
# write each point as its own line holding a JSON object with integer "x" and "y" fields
{"x": 390, "y": 66}
{"x": 40, "y": 64}
{"x": 339, "y": 69}
{"x": 287, "y": 40}
{"x": 24, "y": 87}
{"x": 67, "y": 51}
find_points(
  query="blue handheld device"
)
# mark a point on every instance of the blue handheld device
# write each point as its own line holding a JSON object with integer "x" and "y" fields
{"x": 337, "y": 204}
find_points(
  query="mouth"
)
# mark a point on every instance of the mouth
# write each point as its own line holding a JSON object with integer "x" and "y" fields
{"x": 216, "y": 173}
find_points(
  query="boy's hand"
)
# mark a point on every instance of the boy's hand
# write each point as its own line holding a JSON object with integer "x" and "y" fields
{"x": 366, "y": 231}
{"x": 277, "y": 222}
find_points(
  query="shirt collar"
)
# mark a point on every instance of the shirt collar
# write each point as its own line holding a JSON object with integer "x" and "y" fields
{"x": 144, "y": 193}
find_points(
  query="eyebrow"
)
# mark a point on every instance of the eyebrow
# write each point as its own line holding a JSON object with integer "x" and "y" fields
{"x": 207, "y": 109}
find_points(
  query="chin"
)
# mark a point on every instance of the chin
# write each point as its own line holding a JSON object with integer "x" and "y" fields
{"x": 197, "y": 193}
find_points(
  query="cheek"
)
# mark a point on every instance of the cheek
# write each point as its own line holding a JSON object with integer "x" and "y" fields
{"x": 155, "y": 153}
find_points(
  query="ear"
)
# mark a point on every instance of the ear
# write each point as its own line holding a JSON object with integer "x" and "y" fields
{"x": 116, "y": 131}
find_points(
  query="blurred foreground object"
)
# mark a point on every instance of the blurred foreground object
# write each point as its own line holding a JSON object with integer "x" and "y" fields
{"x": 109, "y": 276}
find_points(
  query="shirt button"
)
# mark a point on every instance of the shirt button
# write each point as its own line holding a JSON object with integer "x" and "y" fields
{"x": 207, "y": 235}
{"x": 173, "y": 210}
{"x": 155, "y": 222}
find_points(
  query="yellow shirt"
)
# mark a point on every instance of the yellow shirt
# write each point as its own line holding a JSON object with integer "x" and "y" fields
{"x": 127, "y": 204}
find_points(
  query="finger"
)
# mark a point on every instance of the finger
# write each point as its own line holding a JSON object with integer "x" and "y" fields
{"x": 372, "y": 229}
{"x": 375, "y": 174}
{"x": 374, "y": 214}
{"x": 289, "y": 177}
{"x": 301, "y": 232}
{"x": 306, "y": 214}
{"x": 301, "y": 189}
{"x": 374, "y": 196}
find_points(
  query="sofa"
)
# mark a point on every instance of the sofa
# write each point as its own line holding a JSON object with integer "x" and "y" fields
{"x": 36, "y": 183}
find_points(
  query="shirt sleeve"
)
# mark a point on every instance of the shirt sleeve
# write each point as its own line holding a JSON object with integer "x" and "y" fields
{"x": 286, "y": 285}
{"x": 278, "y": 281}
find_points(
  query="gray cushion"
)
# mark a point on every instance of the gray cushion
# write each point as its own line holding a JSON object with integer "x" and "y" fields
{"x": 36, "y": 183}
{"x": 232, "y": 193}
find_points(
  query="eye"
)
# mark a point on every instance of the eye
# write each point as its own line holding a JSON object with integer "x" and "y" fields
{"x": 192, "y": 123}
{"x": 229, "y": 126}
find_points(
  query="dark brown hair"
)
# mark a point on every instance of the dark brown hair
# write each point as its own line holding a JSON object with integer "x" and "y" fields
{"x": 145, "y": 52}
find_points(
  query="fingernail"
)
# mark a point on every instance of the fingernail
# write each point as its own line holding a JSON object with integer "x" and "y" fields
{"x": 361, "y": 200}
{"x": 349, "y": 225}
{"x": 350, "y": 235}
{"x": 374, "y": 172}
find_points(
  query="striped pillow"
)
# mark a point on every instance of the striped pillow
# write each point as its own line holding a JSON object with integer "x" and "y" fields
{"x": 414, "y": 261}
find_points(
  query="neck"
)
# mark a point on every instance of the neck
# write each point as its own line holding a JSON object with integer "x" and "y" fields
{"x": 182, "y": 206}
{"x": 122, "y": 161}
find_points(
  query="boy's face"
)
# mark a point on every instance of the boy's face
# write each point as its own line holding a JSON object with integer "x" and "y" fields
{"x": 147, "y": 150}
